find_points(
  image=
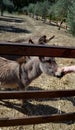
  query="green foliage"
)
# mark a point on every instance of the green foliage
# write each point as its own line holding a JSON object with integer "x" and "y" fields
{"x": 45, "y": 7}
{"x": 61, "y": 8}
{"x": 8, "y": 2}
{"x": 31, "y": 8}
{"x": 38, "y": 9}
{"x": 51, "y": 13}
{"x": 71, "y": 18}
{"x": 6, "y": 5}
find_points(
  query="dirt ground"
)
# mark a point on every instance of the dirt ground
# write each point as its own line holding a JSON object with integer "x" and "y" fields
{"x": 14, "y": 27}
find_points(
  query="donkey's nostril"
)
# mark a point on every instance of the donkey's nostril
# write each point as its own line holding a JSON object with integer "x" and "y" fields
{"x": 59, "y": 75}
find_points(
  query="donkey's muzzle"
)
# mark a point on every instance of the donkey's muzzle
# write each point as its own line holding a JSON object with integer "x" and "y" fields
{"x": 59, "y": 75}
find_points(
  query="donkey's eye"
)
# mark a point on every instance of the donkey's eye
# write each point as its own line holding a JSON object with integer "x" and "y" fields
{"x": 48, "y": 61}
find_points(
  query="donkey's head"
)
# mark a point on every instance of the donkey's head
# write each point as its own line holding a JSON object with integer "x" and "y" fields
{"x": 48, "y": 65}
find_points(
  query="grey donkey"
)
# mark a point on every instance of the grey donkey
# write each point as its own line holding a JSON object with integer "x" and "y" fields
{"x": 13, "y": 74}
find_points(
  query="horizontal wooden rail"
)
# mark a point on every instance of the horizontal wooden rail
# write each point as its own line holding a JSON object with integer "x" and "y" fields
{"x": 36, "y": 50}
{"x": 56, "y": 118}
{"x": 36, "y": 94}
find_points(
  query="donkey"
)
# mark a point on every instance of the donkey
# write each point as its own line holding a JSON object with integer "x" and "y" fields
{"x": 15, "y": 75}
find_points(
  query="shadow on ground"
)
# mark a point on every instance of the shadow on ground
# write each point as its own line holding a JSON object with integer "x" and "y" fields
{"x": 11, "y": 19}
{"x": 30, "y": 108}
{"x": 13, "y": 29}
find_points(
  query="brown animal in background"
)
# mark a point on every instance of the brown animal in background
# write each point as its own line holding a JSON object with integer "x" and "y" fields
{"x": 23, "y": 59}
{"x": 42, "y": 40}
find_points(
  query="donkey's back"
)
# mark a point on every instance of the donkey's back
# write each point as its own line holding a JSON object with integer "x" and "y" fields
{"x": 8, "y": 72}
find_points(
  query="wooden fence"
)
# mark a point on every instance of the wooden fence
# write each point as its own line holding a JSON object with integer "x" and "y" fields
{"x": 36, "y": 50}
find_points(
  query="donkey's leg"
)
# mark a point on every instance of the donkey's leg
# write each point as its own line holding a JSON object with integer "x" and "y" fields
{"x": 21, "y": 87}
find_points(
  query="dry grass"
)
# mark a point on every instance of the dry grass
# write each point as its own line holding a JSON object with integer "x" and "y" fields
{"x": 26, "y": 28}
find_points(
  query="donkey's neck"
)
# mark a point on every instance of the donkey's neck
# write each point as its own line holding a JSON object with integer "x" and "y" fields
{"x": 32, "y": 70}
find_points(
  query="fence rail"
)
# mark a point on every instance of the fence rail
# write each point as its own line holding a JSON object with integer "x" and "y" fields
{"x": 36, "y": 50}
{"x": 55, "y": 118}
{"x": 36, "y": 94}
